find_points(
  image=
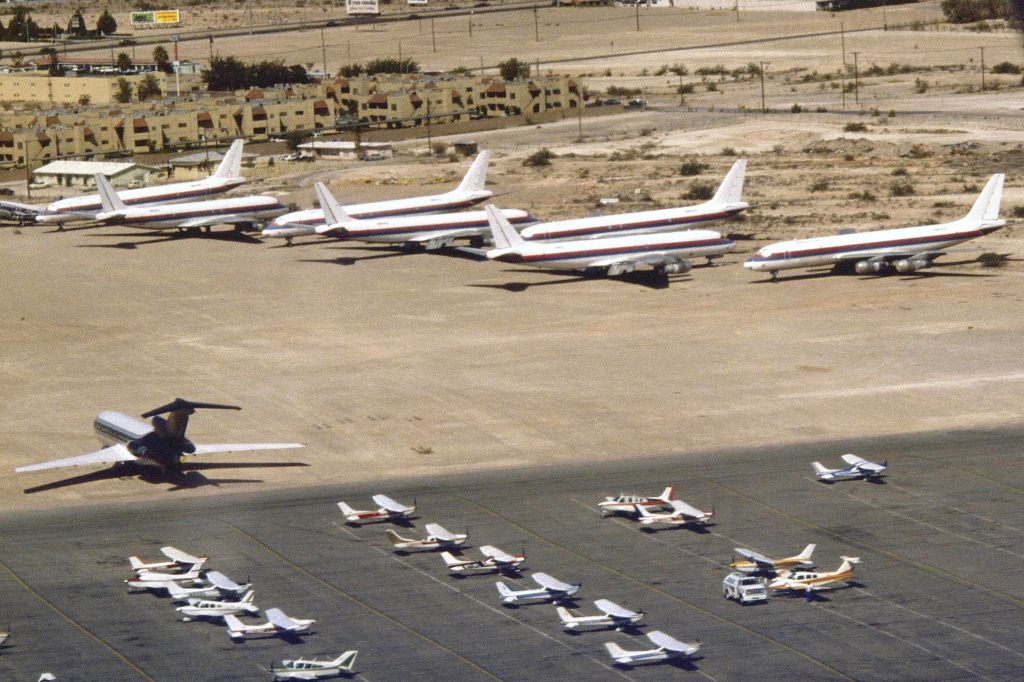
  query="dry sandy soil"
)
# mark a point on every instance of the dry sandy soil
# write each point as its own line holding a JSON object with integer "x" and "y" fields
{"x": 387, "y": 364}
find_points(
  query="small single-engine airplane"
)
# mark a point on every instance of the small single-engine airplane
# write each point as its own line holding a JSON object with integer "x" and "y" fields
{"x": 314, "y": 669}
{"x": 277, "y": 624}
{"x": 665, "y": 253}
{"x": 903, "y": 250}
{"x": 725, "y": 203}
{"x": 162, "y": 444}
{"x": 808, "y": 581}
{"x": 496, "y": 561}
{"x": 4, "y": 636}
{"x": 612, "y": 616}
{"x": 84, "y": 208}
{"x": 153, "y": 581}
{"x": 209, "y": 608}
{"x": 627, "y": 504}
{"x": 549, "y": 589}
{"x": 182, "y": 594}
{"x": 427, "y": 231}
{"x": 469, "y": 192}
{"x": 437, "y": 538}
{"x": 388, "y": 510}
{"x": 225, "y": 584}
{"x": 682, "y": 514}
{"x": 181, "y": 561}
{"x": 755, "y": 562}
{"x": 667, "y": 647}
{"x": 859, "y": 468}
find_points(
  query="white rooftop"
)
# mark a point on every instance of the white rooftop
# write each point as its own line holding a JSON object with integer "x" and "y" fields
{"x": 343, "y": 144}
{"x": 90, "y": 168}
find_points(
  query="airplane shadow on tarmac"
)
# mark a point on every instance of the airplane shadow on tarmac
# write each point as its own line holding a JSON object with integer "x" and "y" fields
{"x": 648, "y": 279}
{"x": 191, "y": 477}
{"x": 387, "y": 252}
{"x": 226, "y": 236}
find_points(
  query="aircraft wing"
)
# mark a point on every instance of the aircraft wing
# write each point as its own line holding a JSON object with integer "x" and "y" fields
{"x": 175, "y": 554}
{"x": 210, "y": 221}
{"x": 438, "y": 235}
{"x": 549, "y": 583}
{"x": 671, "y": 643}
{"x": 627, "y": 263}
{"x": 888, "y": 254}
{"x": 278, "y": 618}
{"x": 110, "y": 455}
{"x": 389, "y": 504}
{"x": 498, "y": 555}
{"x": 221, "y": 581}
{"x": 861, "y": 463}
{"x": 681, "y": 507}
{"x": 438, "y": 531}
{"x": 15, "y": 209}
{"x": 613, "y": 609}
{"x": 756, "y": 557}
{"x": 243, "y": 447}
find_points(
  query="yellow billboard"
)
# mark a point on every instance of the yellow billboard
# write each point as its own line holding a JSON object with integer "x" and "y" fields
{"x": 154, "y": 18}
{"x": 166, "y": 16}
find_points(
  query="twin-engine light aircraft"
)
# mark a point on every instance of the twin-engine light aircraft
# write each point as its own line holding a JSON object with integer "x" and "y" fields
{"x": 437, "y": 538}
{"x": 664, "y": 252}
{"x": 495, "y": 561}
{"x": 469, "y": 192}
{"x": 809, "y": 581}
{"x": 427, "y": 231}
{"x": 161, "y": 444}
{"x": 681, "y": 514}
{"x": 179, "y": 560}
{"x": 725, "y": 203}
{"x": 388, "y": 510}
{"x": 85, "y": 208}
{"x": 755, "y": 562}
{"x": 208, "y": 608}
{"x": 859, "y": 468}
{"x": 667, "y": 647}
{"x": 550, "y": 590}
{"x": 313, "y": 668}
{"x": 278, "y": 624}
{"x": 612, "y": 616}
{"x": 627, "y": 504}
{"x": 902, "y": 250}
{"x": 241, "y": 212}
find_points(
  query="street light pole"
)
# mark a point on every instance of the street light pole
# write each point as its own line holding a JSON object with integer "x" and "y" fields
{"x": 764, "y": 109}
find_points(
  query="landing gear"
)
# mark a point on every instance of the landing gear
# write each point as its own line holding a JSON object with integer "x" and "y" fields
{"x": 775, "y": 275}
{"x": 288, "y": 241}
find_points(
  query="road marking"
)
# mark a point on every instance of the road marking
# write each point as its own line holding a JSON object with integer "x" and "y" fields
{"x": 967, "y": 382}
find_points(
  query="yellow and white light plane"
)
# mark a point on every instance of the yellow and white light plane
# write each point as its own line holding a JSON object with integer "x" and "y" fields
{"x": 809, "y": 581}
{"x": 755, "y": 562}
{"x": 161, "y": 444}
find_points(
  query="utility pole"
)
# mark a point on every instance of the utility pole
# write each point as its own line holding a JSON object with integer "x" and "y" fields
{"x": 470, "y": 23}
{"x": 430, "y": 147}
{"x": 536, "y": 26}
{"x": 682, "y": 100}
{"x": 736, "y": 8}
{"x": 842, "y": 78}
{"x": 399, "y": 50}
{"x": 856, "y": 79}
{"x": 637, "y": 16}
{"x": 250, "y": 18}
{"x": 323, "y": 50}
{"x": 982, "y": 68}
{"x": 764, "y": 109}
{"x": 579, "y": 116}
{"x": 211, "y": 48}
{"x": 433, "y": 40}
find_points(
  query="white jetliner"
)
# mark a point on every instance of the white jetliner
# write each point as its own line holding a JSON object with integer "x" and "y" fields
{"x": 496, "y": 561}
{"x": 437, "y": 538}
{"x": 87, "y": 207}
{"x": 179, "y": 560}
{"x": 667, "y": 647}
{"x": 904, "y": 249}
{"x": 549, "y": 589}
{"x": 469, "y": 192}
{"x": 277, "y": 624}
{"x": 427, "y": 231}
{"x": 388, "y": 510}
{"x": 225, "y": 584}
{"x": 725, "y": 203}
{"x": 682, "y": 514}
{"x": 23, "y": 213}
{"x": 665, "y": 252}
{"x": 207, "y": 608}
{"x": 809, "y": 581}
{"x": 627, "y": 504}
{"x": 859, "y": 468}
{"x": 755, "y": 562}
{"x": 612, "y": 616}
{"x": 314, "y": 669}
{"x": 161, "y": 444}
{"x": 193, "y": 215}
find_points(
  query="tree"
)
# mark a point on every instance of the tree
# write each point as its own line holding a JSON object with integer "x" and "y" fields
{"x": 162, "y": 59}
{"x": 76, "y": 26}
{"x": 124, "y": 62}
{"x": 512, "y": 68}
{"x": 148, "y": 87}
{"x": 84, "y": 100}
{"x": 123, "y": 94}
{"x": 106, "y": 24}
{"x": 22, "y": 28}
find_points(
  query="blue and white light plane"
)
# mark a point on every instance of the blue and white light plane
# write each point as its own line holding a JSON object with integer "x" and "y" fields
{"x": 725, "y": 203}
{"x": 161, "y": 444}
{"x": 470, "y": 192}
{"x": 902, "y": 250}
{"x": 666, "y": 647}
{"x": 665, "y": 252}
{"x": 859, "y": 468}
{"x": 84, "y": 208}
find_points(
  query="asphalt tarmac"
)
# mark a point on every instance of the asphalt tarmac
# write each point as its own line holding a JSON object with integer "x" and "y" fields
{"x": 938, "y": 595}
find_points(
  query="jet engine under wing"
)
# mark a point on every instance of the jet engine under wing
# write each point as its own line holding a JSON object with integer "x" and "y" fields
{"x": 110, "y": 455}
{"x": 211, "y": 221}
{"x": 435, "y": 240}
{"x": 889, "y": 253}
{"x": 622, "y": 265}
{"x": 243, "y": 447}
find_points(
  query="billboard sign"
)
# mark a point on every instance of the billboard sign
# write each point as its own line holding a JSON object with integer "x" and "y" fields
{"x": 362, "y": 7}
{"x": 157, "y": 18}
